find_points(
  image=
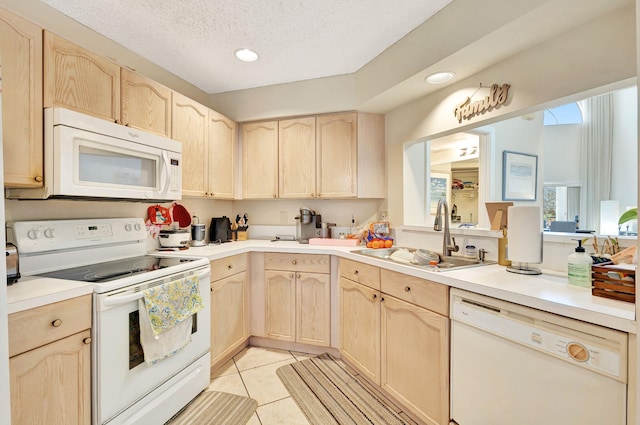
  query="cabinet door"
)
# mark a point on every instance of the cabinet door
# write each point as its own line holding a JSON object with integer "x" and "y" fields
{"x": 21, "y": 51}
{"x": 297, "y": 158}
{"x": 229, "y": 321}
{"x": 189, "y": 126}
{"x": 52, "y": 384}
{"x": 280, "y": 305}
{"x": 77, "y": 79}
{"x": 146, "y": 105}
{"x": 360, "y": 327}
{"x": 313, "y": 309}
{"x": 418, "y": 337}
{"x": 222, "y": 147}
{"x": 260, "y": 160}
{"x": 336, "y": 137}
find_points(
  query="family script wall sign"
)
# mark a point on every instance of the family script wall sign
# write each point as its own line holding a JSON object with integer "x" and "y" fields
{"x": 497, "y": 96}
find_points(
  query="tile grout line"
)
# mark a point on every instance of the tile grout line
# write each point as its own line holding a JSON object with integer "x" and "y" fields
{"x": 246, "y": 389}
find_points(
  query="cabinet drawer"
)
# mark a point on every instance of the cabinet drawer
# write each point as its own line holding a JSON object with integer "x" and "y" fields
{"x": 315, "y": 263}
{"x": 229, "y": 266}
{"x": 424, "y": 293}
{"x": 361, "y": 273}
{"x": 41, "y": 325}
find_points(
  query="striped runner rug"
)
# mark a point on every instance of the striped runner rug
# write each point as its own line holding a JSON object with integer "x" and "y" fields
{"x": 327, "y": 394}
{"x": 213, "y": 407}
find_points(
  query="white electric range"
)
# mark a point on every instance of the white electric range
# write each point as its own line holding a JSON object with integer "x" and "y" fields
{"x": 110, "y": 254}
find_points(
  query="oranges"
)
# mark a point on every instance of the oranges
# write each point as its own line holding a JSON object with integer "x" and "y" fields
{"x": 380, "y": 243}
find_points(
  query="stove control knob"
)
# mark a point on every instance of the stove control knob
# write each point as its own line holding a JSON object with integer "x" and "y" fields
{"x": 127, "y": 227}
{"x": 33, "y": 234}
{"x": 138, "y": 227}
{"x": 49, "y": 233}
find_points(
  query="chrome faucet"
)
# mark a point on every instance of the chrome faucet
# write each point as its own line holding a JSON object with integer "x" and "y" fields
{"x": 448, "y": 242}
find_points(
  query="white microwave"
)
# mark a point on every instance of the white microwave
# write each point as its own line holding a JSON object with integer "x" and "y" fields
{"x": 87, "y": 157}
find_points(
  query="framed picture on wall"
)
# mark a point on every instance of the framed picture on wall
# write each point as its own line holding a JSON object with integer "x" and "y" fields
{"x": 439, "y": 187}
{"x": 519, "y": 176}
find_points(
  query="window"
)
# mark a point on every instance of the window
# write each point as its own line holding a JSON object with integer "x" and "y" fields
{"x": 565, "y": 114}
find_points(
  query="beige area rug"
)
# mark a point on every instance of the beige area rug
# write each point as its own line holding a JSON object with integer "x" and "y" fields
{"x": 327, "y": 394}
{"x": 213, "y": 407}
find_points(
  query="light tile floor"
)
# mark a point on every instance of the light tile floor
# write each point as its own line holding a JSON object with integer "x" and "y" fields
{"x": 252, "y": 373}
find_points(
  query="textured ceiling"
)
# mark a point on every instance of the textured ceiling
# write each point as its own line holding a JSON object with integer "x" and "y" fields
{"x": 296, "y": 40}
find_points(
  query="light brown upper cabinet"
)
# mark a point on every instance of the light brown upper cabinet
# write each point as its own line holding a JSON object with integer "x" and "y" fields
{"x": 297, "y": 158}
{"x": 77, "y": 79}
{"x": 222, "y": 148}
{"x": 260, "y": 160}
{"x": 21, "y": 70}
{"x": 326, "y": 156}
{"x": 351, "y": 157}
{"x": 336, "y": 136}
{"x": 189, "y": 126}
{"x": 146, "y": 105}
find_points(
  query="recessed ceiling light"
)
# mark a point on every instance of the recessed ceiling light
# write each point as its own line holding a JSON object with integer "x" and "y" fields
{"x": 440, "y": 77}
{"x": 246, "y": 55}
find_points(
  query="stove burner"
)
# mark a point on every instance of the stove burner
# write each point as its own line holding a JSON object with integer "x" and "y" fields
{"x": 118, "y": 269}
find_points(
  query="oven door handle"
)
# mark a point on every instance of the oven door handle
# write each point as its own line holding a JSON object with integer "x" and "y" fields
{"x": 116, "y": 300}
{"x": 121, "y": 299}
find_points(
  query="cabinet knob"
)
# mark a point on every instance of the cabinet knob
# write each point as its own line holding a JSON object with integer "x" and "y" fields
{"x": 56, "y": 323}
{"x": 381, "y": 299}
{"x": 374, "y": 296}
{"x": 298, "y": 275}
{"x": 39, "y": 179}
{"x": 291, "y": 275}
{"x": 87, "y": 340}
{"x": 294, "y": 262}
{"x": 355, "y": 272}
{"x": 230, "y": 266}
{"x": 407, "y": 288}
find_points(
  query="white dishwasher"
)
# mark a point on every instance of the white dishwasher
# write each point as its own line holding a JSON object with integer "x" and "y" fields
{"x": 516, "y": 365}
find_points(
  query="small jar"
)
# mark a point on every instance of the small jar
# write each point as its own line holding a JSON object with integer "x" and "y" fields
{"x": 470, "y": 251}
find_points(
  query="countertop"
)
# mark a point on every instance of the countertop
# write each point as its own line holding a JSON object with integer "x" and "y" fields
{"x": 549, "y": 292}
{"x": 31, "y": 292}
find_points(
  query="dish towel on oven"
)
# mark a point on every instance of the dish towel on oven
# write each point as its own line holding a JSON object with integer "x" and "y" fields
{"x": 166, "y": 316}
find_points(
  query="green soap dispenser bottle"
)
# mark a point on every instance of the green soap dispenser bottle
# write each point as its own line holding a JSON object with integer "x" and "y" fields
{"x": 579, "y": 267}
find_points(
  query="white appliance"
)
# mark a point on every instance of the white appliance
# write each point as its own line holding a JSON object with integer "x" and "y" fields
{"x": 515, "y": 365}
{"x": 87, "y": 157}
{"x": 111, "y": 255}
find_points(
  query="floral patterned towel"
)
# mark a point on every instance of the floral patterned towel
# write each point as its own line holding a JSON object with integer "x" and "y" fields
{"x": 171, "y": 303}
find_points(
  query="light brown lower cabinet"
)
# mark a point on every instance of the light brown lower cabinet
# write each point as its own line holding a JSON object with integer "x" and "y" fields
{"x": 298, "y": 298}
{"x": 52, "y": 384}
{"x": 395, "y": 331}
{"x": 229, "y": 307}
{"x": 298, "y": 306}
{"x": 360, "y": 327}
{"x": 50, "y": 363}
{"x": 415, "y": 358}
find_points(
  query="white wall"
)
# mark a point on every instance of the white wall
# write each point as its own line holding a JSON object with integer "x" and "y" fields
{"x": 562, "y": 154}
{"x": 600, "y": 55}
{"x": 624, "y": 175}
{"x": 522, "y": 136}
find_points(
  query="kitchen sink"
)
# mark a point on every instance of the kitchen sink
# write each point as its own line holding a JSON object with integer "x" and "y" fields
{"x": 402, "y": 255}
